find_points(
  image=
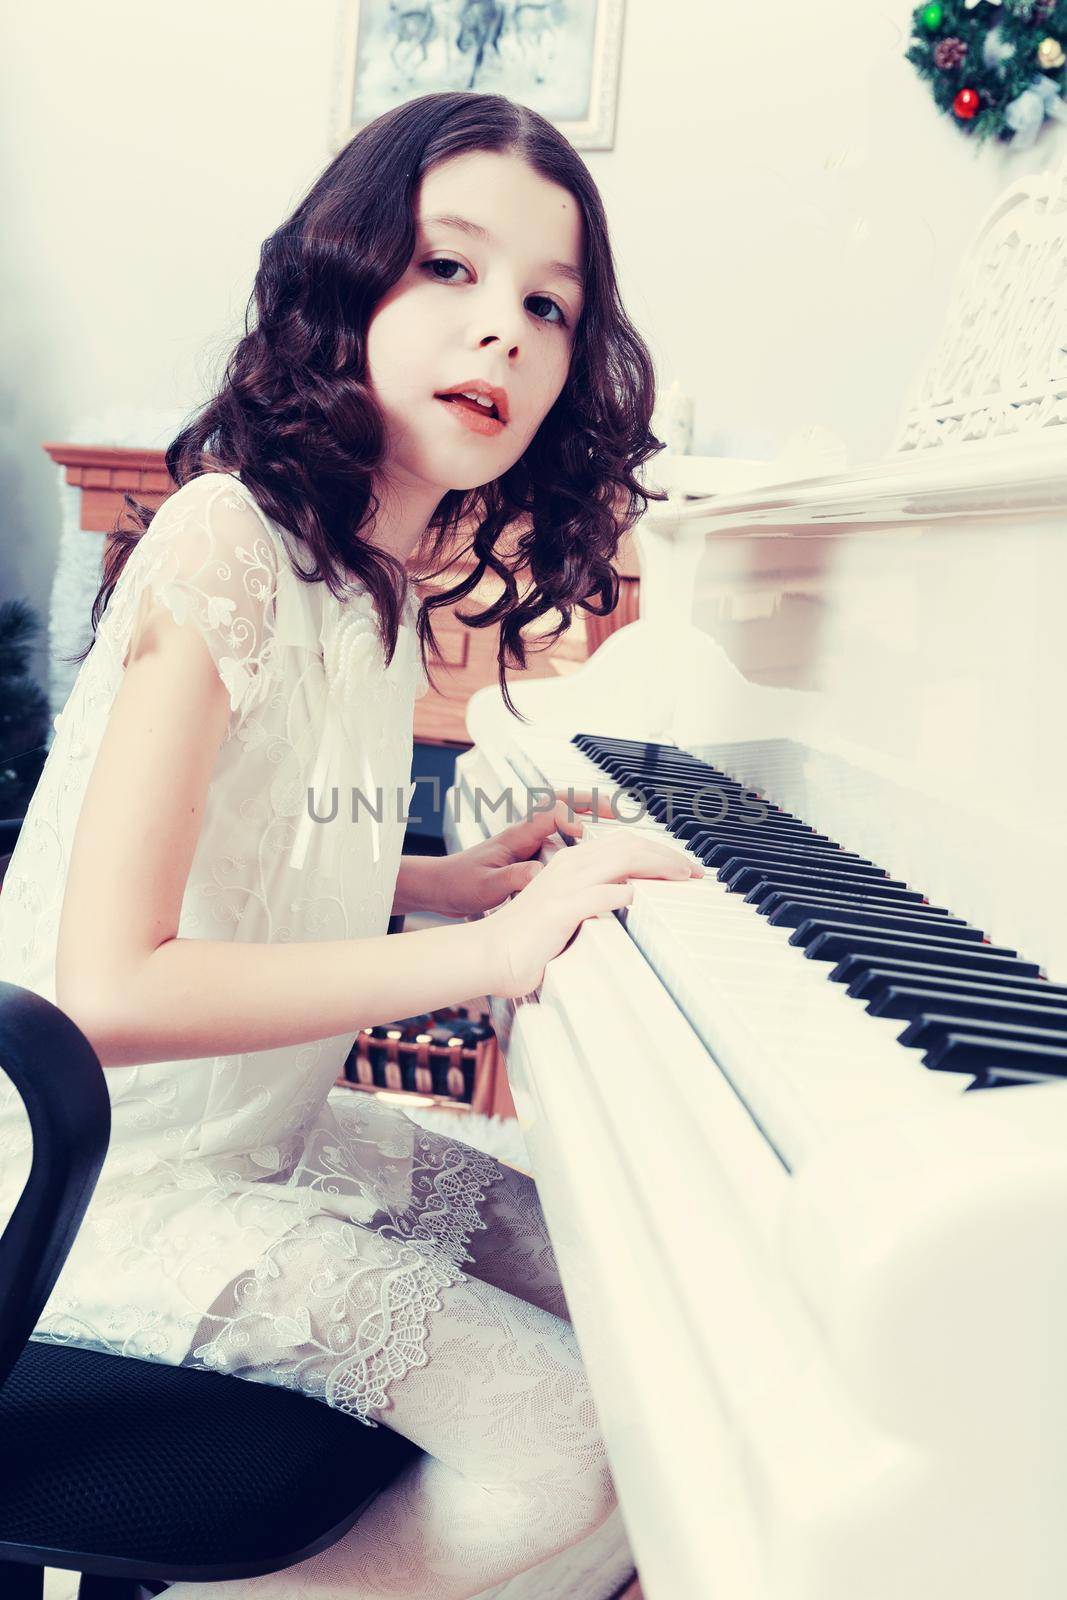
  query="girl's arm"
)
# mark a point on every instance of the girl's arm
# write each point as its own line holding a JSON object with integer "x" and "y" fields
{"x": 139, "y": 992}
{"x": 419, "y": 886}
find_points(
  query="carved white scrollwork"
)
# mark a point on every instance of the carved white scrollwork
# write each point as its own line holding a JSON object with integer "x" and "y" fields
{"x": 1000, "y": 366}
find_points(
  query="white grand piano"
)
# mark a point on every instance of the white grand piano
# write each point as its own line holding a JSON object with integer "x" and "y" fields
{"x": 801, "y": 1130}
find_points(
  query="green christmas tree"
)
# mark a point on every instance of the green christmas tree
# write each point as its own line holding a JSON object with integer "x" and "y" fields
{"x": 994, "y": 66}
{"x": 23, "y": 710}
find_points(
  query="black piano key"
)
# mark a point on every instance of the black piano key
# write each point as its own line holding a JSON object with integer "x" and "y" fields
{"x": 706, "y": 809}
{"x": 739, "y": 880}
{"x": 783, "y": 883}
{"x": 808, "y": 902}
{"x": 683, "y": 789}
{"x": 716, "y": 854}
{"x": 925, "y": 1030}
{"x": 807, "y": 868}
{"x": 1011, "y": 1078}
{"x": 977, "y": 958}
{"x": 889, "y": 922}
{"x": 687, "y": 777}
{"x": 677, "y": 782}
{"x": 678, "y": 775}
{"x": 687, "y": 784}
{"x": 869, "y": 983}
{"x": 665, "y": 769}
{"x": 648, "y": 757}
{"x": 663, "y": 761}
{"x": 698, "y": 836}
{"x": 805, "y": 864}
{"x": 652, "y": 772}
{"x": 995, "y": 1064}
{"x": 705, "y": 806}
{"x": 910, "y": 1002}
{"x": 640, "y": 749}
{"x": 922, "y": 966}
{"x": 674, "y": 783}
{"x": 771, "y": 830}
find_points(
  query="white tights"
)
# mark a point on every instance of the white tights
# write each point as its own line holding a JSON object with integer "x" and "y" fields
{"x": 514, "y": 1469}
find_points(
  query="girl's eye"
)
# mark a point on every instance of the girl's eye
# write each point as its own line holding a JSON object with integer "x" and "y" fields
{"x": 446, "y": 261}
{"x": 562, "y": 319}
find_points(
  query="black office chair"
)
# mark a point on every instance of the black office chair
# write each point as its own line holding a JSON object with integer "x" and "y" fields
{"x": 134, "y": 1473}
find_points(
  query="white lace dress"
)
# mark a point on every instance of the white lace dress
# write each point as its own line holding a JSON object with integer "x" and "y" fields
{"x": 241, "y": 1222}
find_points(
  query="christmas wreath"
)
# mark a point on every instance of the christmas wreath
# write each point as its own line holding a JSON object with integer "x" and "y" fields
{"x": 995, "y": 66}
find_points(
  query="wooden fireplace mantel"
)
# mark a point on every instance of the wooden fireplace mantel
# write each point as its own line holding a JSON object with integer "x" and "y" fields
{"x": 104, "y": 473}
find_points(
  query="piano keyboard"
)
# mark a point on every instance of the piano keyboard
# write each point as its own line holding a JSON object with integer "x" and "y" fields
{"x": 814, "y": 978}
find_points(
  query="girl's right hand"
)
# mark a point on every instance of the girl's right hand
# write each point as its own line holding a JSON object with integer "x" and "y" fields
{"x": 579, "y": 882}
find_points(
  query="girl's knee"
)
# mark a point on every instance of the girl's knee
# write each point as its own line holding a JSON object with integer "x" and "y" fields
{"x": 595, "y": 1501}
{"x": 573, "y": 1479}
{"x": 571, "y": 1506}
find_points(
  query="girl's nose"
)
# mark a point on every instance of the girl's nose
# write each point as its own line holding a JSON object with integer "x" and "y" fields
{"x": 510, "y": 345}
{"x": 501, "y": 324}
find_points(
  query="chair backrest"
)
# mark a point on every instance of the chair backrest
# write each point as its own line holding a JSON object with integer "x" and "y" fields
{"x": 58, "y": 1074}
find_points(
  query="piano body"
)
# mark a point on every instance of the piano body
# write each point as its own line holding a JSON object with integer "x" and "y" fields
{"x": 819, "y": 1273}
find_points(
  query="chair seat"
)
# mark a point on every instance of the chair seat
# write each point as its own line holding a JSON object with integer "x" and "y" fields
{"x": 121, "y": 1466}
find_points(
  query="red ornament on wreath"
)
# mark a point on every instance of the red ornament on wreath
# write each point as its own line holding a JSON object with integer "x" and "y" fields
{"x": 965, "y": 104}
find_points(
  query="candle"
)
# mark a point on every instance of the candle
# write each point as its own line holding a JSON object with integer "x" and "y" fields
{"x": 672, "y": 420}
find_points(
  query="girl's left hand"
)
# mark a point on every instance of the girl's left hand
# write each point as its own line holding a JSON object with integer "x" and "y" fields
{"x": 475, "y": 880}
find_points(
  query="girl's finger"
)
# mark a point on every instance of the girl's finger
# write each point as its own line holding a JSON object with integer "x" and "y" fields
{"x": 567, "y": 822}
{"x": 524, "y": 839}
{"x": 629, "y": 857}
{"x": 584, "y": 800}
{"x": 606, "y": 897}
{"x": 510, "y": 880}
{"x": 593, "y": 903}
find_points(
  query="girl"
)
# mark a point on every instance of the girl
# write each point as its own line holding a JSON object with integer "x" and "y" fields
{"x": 257, "y": 646}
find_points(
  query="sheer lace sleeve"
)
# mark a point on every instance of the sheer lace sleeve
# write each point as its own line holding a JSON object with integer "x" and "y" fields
{"x": 211, "y": 559}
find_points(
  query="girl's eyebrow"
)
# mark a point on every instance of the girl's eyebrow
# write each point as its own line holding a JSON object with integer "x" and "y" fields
{"x": 564, "y": 270}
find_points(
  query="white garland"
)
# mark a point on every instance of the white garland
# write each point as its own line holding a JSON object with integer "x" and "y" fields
{"x": 79, "y": 560}
{"x": 74, "y": 586}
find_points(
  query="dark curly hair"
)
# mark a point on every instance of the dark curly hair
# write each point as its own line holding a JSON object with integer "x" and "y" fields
{"x": 296, "y": 418}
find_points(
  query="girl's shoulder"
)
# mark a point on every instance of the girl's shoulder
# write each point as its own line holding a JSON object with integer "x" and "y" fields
{"x": 213, "y": 560}
{"x": 211, "y": 527}
{"x": 218, "y": 501}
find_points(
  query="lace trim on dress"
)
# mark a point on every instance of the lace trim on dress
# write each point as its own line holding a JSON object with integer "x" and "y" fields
{"x": 370, "y": 1288}
{"x": 398, "y": 1333}
{"x": 448, "y": 1184}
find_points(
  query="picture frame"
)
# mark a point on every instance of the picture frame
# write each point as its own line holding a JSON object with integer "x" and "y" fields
{"x": 560, "y": 57}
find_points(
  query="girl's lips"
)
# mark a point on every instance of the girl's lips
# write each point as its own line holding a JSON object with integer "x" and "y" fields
{"x": 472, "y": 416}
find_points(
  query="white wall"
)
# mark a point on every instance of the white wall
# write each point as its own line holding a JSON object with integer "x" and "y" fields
{"x": 787, "y": 210}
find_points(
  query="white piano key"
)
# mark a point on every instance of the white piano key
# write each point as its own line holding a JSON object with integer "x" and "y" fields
{"x": 770, "y": 1017}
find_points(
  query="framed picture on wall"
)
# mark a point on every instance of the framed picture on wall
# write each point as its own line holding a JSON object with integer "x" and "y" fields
{"x": 561, "y": 57}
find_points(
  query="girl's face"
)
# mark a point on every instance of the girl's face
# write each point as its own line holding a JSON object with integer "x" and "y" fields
{"x": 497, "y": 305}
